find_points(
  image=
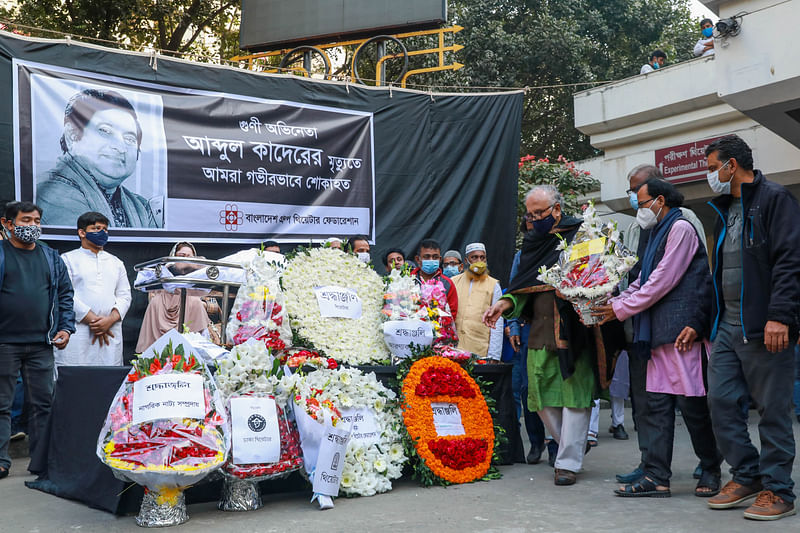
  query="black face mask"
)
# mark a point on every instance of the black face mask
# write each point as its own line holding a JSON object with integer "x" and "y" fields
{"x": 544, "y": 225}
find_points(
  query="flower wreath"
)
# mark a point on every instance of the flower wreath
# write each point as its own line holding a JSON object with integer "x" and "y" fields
{"x": 368, "y": 468}
{"x": 446, "y": 459}
{"x": 352, "y": 341}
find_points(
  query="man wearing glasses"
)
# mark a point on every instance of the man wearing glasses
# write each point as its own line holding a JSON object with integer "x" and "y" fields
{"x": 636, "y": 238}
{"x": 561, "y": 381}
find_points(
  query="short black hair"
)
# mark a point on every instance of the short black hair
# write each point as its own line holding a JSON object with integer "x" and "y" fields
{"x": 15, "y": 208}
{"x": 352, "y": 240}
{"x": 429, "y": 243}
{"x": 657, "y": 187}
{"x": 83, "y": 105}
{"x": 732, "y": 147}
{"x": 92, "y": 217}
{"x": 392, "y": 251}
{"x": 704, "y": 21}
{"x": 267, "y": 244}
{"x": 658, "y": 53}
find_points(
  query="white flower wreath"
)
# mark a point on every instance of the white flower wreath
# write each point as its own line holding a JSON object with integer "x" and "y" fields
{"x": 368, "y": 469}
{"x": 352, "y": 341}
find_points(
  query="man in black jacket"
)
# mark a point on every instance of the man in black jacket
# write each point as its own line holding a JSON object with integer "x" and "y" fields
{"x": 35, "y": 315}
{"x": 756, "y": 269}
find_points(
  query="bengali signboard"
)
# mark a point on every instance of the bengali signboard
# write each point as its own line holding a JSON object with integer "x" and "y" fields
{"x": 684, "y": 163}
{"x": 165, "y": 163}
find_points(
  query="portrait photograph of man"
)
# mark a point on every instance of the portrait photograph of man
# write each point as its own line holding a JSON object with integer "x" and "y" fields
{"x": 97, "y": 161}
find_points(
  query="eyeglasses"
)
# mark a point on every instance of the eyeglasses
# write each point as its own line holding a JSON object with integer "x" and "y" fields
{"x": 538, "y": 214}
{"x": 642, "y": 204}
{"x": 633, "y": 190}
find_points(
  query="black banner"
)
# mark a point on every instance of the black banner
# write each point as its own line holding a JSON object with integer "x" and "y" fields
{"x": 189, "y": 163}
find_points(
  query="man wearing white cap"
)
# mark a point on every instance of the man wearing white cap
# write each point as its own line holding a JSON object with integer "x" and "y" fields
{"x": 477, "y": 291}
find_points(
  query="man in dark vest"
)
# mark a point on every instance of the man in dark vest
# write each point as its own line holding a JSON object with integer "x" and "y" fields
{"x": 670, "y": 305}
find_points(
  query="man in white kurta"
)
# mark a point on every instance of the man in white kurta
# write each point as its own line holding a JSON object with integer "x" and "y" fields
{"x": 102, "y": 297}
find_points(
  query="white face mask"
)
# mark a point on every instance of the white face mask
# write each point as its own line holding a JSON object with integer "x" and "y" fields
{"x": 646, "y": 218}
{"x": 364, "y": 257}
{"x": 717, "y": 186}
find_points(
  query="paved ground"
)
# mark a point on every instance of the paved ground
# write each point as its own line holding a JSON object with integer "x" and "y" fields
{"x": 524, "y": 500}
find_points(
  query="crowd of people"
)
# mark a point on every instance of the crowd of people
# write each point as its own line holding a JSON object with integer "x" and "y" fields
{"x": 709, "y": 336}
{"x": 712, "y": 338}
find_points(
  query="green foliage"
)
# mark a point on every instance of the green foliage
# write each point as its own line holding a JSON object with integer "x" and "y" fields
{"x": 530, "y": 43}
{"x": 201, "y": 28}
{"x": 562, "y": 174}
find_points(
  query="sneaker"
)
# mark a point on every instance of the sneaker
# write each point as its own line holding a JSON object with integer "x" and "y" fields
{"x": 733, "y": 494}
{"x": 3, "y": 472}
{"x": 619, "y": 432}
{"x": 769, "y": 506}
{"x": 17, "y": 435}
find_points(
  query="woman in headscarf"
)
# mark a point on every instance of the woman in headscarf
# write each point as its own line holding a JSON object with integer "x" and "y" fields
{"x": 164, "y": 309}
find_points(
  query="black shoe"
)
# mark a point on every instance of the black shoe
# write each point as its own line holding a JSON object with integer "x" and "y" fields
{"x": 619, "y": 432}
{"x": 3, "y": 472}
{"x": 17, "y": 435}
{"x": 534, "y": 456}
{"x": 698, "y": 471}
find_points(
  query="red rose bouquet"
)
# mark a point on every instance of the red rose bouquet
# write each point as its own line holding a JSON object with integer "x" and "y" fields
{"x": 166, "y": 429}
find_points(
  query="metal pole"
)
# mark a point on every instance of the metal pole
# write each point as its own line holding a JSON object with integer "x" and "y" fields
{"x": 182, "y": 315}
{"x": 224, "y": 322}
{"x": 380, "y": 52}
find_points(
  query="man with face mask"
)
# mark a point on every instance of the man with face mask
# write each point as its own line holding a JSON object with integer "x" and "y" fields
{"x": 477, "y": 291}
{"x": 755, "y": 308}
{"x": 670, "y": 305}
{"x": 360, "y": 247}
{"x": 654, "y": 62}
{"x": 102, "y": 297}
{"x": 705, "y": 45}
{"x": 452, "y": 264}
{"x": 35, "y": 315}
{"x": 101, "y": 144}
{"x": 562, "y": 353}
{"x": 429, "y": 257}
{"x": 635, "y": 239}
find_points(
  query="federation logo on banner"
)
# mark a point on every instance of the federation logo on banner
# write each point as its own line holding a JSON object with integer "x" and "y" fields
{"x": 230, "y": 217}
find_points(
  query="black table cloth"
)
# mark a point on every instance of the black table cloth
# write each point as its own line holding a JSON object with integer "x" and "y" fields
{"x": 67, "y": 465}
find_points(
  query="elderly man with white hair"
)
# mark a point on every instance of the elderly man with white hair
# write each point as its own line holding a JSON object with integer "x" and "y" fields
{"x": 477, "y": 291}
{"x": 561, "y": 351}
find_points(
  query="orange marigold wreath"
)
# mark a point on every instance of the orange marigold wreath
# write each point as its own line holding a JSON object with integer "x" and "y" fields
{"x": 454, "y": 459}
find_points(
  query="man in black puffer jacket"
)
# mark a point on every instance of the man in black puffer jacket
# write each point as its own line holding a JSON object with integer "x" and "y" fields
{"x": 756, "y": 280}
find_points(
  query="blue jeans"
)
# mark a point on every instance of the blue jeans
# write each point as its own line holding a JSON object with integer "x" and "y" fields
{"x": 519, "y": 384}
{"x": 36, "y": 363}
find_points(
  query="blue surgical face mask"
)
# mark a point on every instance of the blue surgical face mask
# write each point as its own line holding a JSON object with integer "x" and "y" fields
{"x": 656, "y": 66}
{"x": 430, "y": 266}
{"x": 450, "y": 271}
{"x": 633, "y": 200}
{"x": 98, "y": 238}
{"x": 708, "y": 32}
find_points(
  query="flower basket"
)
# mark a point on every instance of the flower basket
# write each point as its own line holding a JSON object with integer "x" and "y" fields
{"x": 165, "y": 429}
